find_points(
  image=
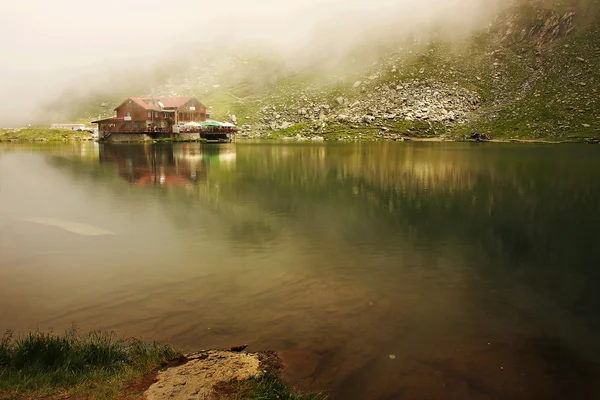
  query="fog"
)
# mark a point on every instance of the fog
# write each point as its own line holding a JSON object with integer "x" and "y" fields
{"x": 49, "y": 45}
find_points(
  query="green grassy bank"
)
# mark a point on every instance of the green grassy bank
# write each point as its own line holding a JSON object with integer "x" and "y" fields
{"x": 95, "y": 366}
{"x": 42, "y": 135}
{"x": 101, "y": 365}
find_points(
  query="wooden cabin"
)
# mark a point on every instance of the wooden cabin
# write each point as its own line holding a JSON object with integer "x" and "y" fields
{"x": 141, "y": 118}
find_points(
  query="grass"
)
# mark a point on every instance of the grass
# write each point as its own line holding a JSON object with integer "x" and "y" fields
{"x": 101, "y": 365}
{"x": 42, "y": 135}
{"x": 265, "y": 387}
{"x": 339, "y": 131}
{"x": 96, "y": 366}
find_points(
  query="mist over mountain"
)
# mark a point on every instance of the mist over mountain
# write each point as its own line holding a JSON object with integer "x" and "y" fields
{"x": 315, "y": 66}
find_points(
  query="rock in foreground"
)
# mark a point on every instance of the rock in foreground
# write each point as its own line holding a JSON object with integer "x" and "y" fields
{"x": 196, "y": 378}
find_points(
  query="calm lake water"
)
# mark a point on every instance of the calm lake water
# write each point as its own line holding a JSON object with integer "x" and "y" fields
{"x": 377, "y": 270}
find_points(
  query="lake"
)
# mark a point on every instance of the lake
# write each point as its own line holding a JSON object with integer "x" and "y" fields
{"x": 376, "y": 270}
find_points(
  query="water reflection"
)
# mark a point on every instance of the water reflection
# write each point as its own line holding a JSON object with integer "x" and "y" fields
{"x": 186, "y": 164}
{"x": 474, "y": 265}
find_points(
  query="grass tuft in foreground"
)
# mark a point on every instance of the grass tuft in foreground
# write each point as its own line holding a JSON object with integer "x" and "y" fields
{"x": 97, "y": 365}
{"x": 264, "y": 387}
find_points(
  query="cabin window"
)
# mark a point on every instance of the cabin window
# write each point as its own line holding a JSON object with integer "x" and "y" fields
{"x": 166, "y": 114}
{"x": 149, "y": 114}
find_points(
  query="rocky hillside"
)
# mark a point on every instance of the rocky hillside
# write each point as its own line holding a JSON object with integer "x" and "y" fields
{"x": 533, "y": 73}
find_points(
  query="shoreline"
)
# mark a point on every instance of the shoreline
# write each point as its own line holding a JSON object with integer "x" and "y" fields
{"x": 102, "y": 365}
{"x": 309, "y": 140}
{"x": 56, "y": 136}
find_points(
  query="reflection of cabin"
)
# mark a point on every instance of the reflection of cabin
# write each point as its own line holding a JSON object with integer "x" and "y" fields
{"x": 153, "y": 165}
{"x": 144, "y": 118}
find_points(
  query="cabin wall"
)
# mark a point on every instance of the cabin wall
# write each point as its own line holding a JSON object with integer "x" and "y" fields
{"x": 133, "y": 109}
{"x": 159, "y": 116}
{"x": 188, "y": 135}
{"x": 187, "y": 115}
{"x": 127, "y": 137}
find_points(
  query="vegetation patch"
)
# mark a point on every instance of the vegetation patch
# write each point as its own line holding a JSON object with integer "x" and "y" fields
{"x": 95, "y": 366}
{"x": 42, "y": 135}
{"x": 265, "y": 387}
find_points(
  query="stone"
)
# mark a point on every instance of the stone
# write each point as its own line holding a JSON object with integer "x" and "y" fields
{"x": 202, "y": 374}
{"x": 356, "y": 84}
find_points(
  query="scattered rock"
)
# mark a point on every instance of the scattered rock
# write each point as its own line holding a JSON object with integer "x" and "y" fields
{"x": 237, "y": 349}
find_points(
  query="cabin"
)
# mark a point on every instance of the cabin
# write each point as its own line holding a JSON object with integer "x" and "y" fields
{"x": 150, "y": 118}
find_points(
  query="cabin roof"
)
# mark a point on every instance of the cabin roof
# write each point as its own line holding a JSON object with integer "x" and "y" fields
{"x": 111, "y": 119}
{"x": 151, "y": 104}
{"x": 175, "y": 102}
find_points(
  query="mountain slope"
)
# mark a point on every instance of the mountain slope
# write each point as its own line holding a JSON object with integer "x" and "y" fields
{"x": 533, "y": 73}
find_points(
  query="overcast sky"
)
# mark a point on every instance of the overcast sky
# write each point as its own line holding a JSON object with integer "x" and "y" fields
{"x": 45, "y": 43}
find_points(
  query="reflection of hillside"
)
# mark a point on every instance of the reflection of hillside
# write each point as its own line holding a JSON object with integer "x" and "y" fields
{"x": 186, "y": 164}
{"x": 493, "y": 197}
{"x": 380, "y": 166}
